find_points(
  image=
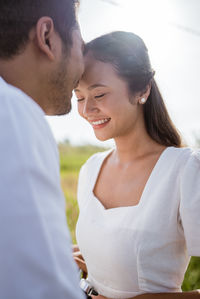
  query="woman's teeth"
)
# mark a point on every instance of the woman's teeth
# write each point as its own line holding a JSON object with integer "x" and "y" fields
{"x": 99, "y": 122}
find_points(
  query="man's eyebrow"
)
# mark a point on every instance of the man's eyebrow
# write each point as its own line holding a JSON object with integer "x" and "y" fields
{"x": 92, "y": 86}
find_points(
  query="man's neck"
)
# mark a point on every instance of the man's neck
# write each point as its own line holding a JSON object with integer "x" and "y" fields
{"x": 19, "y": 73}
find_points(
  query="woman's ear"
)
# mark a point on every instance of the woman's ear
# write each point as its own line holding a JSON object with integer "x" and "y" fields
{"x": 144, "y": 95}
{"x": 45, "y": 35}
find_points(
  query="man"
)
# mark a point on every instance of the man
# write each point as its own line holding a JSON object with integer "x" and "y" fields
{"x": 40, "y": 64}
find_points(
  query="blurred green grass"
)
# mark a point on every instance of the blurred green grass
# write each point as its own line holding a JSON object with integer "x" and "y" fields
{"x": 71, "y": 159}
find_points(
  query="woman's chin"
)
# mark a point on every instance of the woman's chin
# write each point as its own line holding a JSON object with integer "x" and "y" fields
{"x": 102, "y": 137}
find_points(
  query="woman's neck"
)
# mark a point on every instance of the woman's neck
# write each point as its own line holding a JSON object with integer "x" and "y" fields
{"x": 135, "y": 145}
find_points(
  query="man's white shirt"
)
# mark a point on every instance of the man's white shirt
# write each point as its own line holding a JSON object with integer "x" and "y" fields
{"x": 35, "y": 247}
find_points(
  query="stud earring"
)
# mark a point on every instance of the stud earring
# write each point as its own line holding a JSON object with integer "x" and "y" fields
{"x": 142, "y": 101}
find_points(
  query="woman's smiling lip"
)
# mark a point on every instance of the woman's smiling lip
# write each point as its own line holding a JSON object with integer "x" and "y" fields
{"x": 99, "y": 123}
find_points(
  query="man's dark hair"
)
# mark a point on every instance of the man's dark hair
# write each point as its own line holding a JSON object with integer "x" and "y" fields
{"x": 18, "y": 17}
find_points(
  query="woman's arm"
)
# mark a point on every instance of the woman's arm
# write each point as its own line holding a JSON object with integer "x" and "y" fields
{"x": 188, "y": 295}
{"x": 184, "y": 295}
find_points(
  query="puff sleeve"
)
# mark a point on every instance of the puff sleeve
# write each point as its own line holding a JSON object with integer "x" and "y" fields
{"x": 190, "y": 203}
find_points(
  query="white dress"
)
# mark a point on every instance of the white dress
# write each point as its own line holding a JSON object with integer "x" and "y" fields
{"x": 143, "y": 248}
{"x": 35, "y": 247}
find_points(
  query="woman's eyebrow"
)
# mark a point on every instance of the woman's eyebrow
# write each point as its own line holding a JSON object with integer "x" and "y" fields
{"x": 96, "y": 85}
{"x": 92, "y": 86}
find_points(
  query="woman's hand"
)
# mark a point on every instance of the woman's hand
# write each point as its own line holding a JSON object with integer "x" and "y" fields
{"x": 79, "y": 259}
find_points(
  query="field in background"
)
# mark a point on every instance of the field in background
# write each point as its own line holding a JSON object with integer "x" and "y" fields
{"x": 71, "y": 159}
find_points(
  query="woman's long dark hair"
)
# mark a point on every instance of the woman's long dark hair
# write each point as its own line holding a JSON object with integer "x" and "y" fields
{"x": 129, "y": 56}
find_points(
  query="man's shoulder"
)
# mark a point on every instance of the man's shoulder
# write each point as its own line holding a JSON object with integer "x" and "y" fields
{"x": 22, "y": 119}
{"x": 12, "y": 98}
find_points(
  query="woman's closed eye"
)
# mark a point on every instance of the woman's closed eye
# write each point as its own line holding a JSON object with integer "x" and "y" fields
{"x": 100, "y": 96}
{"x": 96, "y": 97}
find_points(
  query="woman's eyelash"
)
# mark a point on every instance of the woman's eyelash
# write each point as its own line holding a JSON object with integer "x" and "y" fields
{"x": 100, "y": 96}
{"x": 96, "y": 97}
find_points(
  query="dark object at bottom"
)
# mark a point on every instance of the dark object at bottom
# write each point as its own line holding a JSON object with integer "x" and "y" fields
{"x": 87, "y": 288}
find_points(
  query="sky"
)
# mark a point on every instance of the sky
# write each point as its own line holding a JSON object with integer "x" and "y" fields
{"x": 171, "y": 32}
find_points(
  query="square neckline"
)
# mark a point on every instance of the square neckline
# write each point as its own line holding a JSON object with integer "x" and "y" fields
{"x": 161, "y": 157}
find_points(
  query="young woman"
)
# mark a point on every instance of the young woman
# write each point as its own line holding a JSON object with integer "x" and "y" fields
{"x": 140, "y": 202}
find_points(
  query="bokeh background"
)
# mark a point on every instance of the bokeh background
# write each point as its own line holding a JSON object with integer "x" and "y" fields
{"x": 171, "y": 31}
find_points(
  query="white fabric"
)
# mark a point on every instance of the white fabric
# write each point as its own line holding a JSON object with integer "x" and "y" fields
{"x": 35, "y": 250}
{"x": 142, "y": 248}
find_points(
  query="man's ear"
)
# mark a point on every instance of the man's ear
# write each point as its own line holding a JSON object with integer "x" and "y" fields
{"x": 45, "y": 34}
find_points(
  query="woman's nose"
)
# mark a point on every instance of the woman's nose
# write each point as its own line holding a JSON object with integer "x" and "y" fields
{"x": 89, "y": 107}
